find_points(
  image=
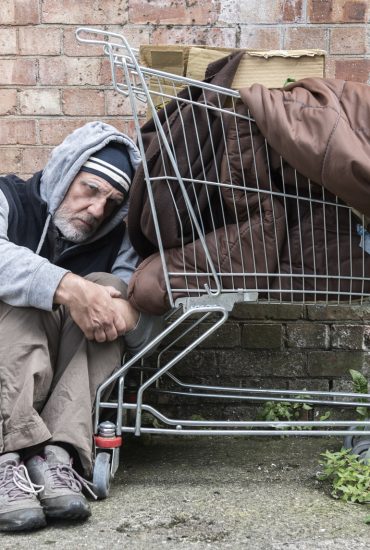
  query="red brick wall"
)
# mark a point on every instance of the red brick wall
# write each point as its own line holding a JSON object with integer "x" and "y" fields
{"x": 50, "y": 84}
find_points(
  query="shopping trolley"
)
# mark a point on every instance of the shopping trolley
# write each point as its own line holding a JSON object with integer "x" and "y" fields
{"x": 233, "y": 243}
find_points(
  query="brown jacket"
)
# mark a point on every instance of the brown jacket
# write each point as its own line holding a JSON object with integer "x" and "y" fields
{"x": 318, "y": 127}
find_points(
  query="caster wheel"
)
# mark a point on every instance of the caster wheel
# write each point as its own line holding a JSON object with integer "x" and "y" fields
{"x": 351, "y": 440}
{"x": 101, "y": 475}
{"x": 362, "y": 449}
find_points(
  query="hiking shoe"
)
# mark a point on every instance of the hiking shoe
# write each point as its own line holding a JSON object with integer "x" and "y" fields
{"x": 62, "y": 495}
{"x": 20, "y": 508}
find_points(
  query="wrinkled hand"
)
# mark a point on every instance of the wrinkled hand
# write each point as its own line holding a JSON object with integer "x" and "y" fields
{"x": 98, "y": 310}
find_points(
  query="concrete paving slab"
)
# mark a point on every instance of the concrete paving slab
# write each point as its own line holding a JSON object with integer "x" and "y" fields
{"x": 219, "y": 493}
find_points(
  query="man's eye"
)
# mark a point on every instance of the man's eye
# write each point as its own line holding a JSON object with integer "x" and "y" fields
{"x": 114, "y": 202}
{"x": 90, "y": 187}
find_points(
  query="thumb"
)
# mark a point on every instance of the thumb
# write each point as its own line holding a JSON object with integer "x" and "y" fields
{"x": 113, "y": 292}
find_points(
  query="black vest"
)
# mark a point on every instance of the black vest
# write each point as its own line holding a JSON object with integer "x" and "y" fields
{"x": 27, "y": 217}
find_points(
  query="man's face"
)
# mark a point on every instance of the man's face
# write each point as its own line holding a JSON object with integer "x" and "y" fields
{"x": 89, "y": 201}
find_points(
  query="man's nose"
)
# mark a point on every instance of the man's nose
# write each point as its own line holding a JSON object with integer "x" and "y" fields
{"x": 97, "y": 208}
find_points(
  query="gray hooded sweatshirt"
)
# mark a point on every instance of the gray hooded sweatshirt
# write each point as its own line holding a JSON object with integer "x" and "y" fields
{"x": 29, "y": 280}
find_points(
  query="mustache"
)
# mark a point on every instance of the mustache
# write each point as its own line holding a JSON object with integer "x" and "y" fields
{"x": 89, "y": 219}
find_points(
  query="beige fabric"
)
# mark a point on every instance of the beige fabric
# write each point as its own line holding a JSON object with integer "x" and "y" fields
{"x": 49, "y": 374}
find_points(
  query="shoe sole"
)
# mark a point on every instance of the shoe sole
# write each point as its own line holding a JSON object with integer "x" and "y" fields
{"x": 24, "y": 522}
{"x": 74, "y": 511}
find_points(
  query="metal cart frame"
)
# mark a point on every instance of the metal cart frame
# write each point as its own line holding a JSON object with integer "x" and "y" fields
{"x": 211, "y": 300}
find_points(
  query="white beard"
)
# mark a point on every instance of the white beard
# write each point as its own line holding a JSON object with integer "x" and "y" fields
{"x": 62, "y": 221}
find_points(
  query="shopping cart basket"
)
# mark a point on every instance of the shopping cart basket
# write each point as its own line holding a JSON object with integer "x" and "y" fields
{"x": 246, "y": 230}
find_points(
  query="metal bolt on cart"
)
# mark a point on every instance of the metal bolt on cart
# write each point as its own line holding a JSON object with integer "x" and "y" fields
{"x": 225, "y": 219}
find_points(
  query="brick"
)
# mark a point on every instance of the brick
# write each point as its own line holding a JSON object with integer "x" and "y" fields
{"x": 7, "y": 12}
{"x": 106, "y": 72}
{"x": 309, "y": 384}
{"x": 297, "y": 38}
{"x": 34, "y": 159}
{"x": 330, "y": 67}
{"x": 172, "y": 12}
{"x": 8, "y": 101}
{"x": 260, "y": 38}
{"x": 366, "y": 342}
{"x": 119, "y": 105}
{"x": 353, "y": 69}
{"x": 135, "y": 35}
{"x": 10, "y": 159}
{"x": 196, "y": 364}
{"x": 82, "y": 102}
{"x": 355, "y": 12}
{"x": 125, "y": 126}
{"x": 54, "y": 130}
{"x": 292, "y": 11}
{"x": 18, "y": 71}
{"x": 227, "y": 336}
{"x": 17, "y": 131}
{"x": 268, "y": 311}
{"x": 209, "y": 36}
{"x": 74, "y": 48}
{"x": 180, "y": 333}
{"x": 348, "y": 40}
{"x": 39, "y": 102}
{"x": 263, "y": 363}
{"x": 343, "y": 385}
{"x": 260, "y": 12}
{"x": 40, "y": 41}
{"x": 366, "y": 365}
{"x": 307, "y": 335}
{"x": 263, "y": 11}
{"x": 337, "y": 11}
{"x": 8, "y": 41}
{"x": 56, "y": 71}
{"x": 19, "y": 12}
{"x": 85, "y": 12}
{"x": 338, "y": 313}
{"x": 334, "y": 363}
{"x": 347, "y": 336}
{"x": 71, "y": 46}
{"x": 320, "y": 11}
{"x": 263, "y": 336}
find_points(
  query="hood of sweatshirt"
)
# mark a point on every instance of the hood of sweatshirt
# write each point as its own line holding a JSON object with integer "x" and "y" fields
{"x": 66, "y": 161}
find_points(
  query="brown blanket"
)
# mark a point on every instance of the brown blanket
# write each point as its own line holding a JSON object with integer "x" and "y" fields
{"x": 321, "y": 129}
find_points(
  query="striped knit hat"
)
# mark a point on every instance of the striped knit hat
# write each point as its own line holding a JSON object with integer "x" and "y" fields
{"x": 112, "y": 163}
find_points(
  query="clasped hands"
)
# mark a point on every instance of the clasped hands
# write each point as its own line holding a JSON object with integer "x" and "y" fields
{"x": 100, "y": 311}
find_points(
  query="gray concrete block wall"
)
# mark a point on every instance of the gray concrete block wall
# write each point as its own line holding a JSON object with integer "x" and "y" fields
{"x": 283, "y": 346}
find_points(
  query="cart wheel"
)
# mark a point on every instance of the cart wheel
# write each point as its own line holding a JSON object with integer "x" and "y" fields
{"x": 351, "y": 440}
{"x": 362, "y": 449}
{"x": 101, "y": 475}
{"x": 366, "y": 457}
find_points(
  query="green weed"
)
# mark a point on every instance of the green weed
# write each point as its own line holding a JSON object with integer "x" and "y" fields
{"x": 349, "y": 476}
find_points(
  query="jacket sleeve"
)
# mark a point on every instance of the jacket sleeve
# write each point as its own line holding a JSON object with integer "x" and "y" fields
{"x": 147, "y": 328}
{"x": 26, "y": 279}
{"x": 126, "y": 261}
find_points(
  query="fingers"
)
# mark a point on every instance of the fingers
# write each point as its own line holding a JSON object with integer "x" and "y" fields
{"x": 113, "y": 292}
{"x": 96, "y": 312}
{"x": 108, "y": 332}
{"x": 105, "y": 335}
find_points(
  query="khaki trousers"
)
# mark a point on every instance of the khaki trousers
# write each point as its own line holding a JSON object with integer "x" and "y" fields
{"x": 49, "y": 374}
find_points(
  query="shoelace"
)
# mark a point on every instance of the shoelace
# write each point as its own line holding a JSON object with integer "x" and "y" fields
{"x": 63, "y": 475}
{"x": 16, "y": 483}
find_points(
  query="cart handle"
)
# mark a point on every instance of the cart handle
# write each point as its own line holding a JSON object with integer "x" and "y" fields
{"x": 104, "y": 34}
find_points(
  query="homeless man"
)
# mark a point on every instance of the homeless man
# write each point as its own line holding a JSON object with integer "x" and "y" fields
{"x": 65, "y": 260}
